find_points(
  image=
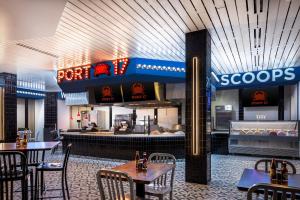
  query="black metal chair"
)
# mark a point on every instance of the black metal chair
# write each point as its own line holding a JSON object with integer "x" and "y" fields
{"x": 54, "y": 167}
{"x": 267, "y": 163}
{"x": 14, "y": 168}
{"x": 274, "y": 191}
{"x": 164, "y": 184}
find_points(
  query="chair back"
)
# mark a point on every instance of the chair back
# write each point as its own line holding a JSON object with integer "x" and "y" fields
{"x": 35, "y": 157}
{"x": 275, "y": 191}
{"x": 67, "y": 155}
{"x": 113, "y": 185}
{"x": 167, "y": 178}
{"x": 267, "y": 163}
{"x": 13, "y": 167}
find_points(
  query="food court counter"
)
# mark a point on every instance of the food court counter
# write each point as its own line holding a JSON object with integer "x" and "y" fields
{"x": 108, "y": 145}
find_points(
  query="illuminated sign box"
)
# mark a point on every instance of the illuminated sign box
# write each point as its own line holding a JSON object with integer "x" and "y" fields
{"x": 73, "y": 74}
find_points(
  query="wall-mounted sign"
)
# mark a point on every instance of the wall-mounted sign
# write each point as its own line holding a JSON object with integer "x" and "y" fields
{"x": 138, "y": 91}
{"x": 74, "y": 73}
{"x": 108, "y": 94}
{"x": 254, "y": 97}
{"x": 263, "y": 77}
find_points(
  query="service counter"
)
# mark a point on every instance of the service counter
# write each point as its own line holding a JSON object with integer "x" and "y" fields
{"x": 108, "y": 145}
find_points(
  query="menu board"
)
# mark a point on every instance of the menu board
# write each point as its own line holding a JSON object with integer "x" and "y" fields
{"x": 138, "y": 91}
{"x": 108, "y": 94}
{"x": 260, "y": 97}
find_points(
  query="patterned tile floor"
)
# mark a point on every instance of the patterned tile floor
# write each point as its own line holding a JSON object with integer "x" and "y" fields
{"x": 226, "y": 171}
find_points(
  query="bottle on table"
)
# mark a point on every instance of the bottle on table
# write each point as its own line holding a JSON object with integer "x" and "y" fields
{"x": 145, "y": 160}
{"x": 273, "y": 170}
{"x": 137, "y": 159}
{"x": 25, "y": 139}
{"x": 18, "y": 140}
{"x": 284, "y": 173}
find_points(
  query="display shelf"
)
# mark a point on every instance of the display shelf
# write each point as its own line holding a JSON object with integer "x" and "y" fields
{"x": 264, "y": 138}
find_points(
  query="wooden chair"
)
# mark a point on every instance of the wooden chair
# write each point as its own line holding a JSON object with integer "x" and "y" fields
{"x": 115, "y": 183}
{"x": 267, "y": 163}
{"x": 14, "y": 168}
{"x": 275, "y": 191}
{"x": 43, "y": 167}
{"x": 164, "y": 184}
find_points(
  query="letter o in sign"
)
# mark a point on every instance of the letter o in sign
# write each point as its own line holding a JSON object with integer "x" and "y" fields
{"x": 247, "y": 80}
{"x": 264, "y": 79}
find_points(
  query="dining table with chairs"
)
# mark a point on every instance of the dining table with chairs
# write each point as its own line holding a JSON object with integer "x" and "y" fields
{"x": 19, "y": 162}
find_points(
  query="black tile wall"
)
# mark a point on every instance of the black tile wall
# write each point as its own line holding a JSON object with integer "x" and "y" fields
{"x": 10, "y": 106}
{"x": 50, "y": 114}
{"x": 123, "y": 147}
{"x": 281, "y": 103}
{"x": 241, "y": 108}
{"x": 198, "y": 166}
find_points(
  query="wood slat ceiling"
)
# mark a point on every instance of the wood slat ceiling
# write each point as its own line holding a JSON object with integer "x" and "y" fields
{"x": 247, "y": 35}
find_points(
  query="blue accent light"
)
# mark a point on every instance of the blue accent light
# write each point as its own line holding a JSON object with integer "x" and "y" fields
{"x": 30, "y": 94}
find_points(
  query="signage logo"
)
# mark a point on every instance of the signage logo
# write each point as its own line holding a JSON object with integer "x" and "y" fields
{"x": 107, "y": 94}
{"x": 259, "y": 98}
{"x": 138, "y": 91}
{"x": 102, "y": 68}
{"x": 74, "y": 73}
{"x": 117, "y": 70}
{"x": 264, "y": 76}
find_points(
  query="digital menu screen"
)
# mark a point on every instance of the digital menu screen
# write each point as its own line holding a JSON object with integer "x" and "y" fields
{"x": 260, "y": 97}
{"x": 108, "y": 94}
{"x": 138, "y": 91}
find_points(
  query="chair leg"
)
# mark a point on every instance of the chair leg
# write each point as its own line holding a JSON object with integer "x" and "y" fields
{"x": 42, "y": 182}
{"x": 62, "y": 186}
{"x": 171, "y": 195}
{"x": 25, "y": 189}
{"x": 161, "y": 197}
{"x": 36, "y": 185}
{"x": 31, "y": 185}
{"x": 67, "y": 187}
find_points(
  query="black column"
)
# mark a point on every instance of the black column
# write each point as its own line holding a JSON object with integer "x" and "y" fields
{"x": 198, "y": 119}
{"x": 241, "y": 107}
{"x": 50, "y": 109}
{"x": 110, "y": 117}
{"x": 281, "y": 103}
{"x": 155, "y": 121}
{"x": 10, "y": 106}
{"x": 26, "y": 113}
{"x": 179, "y": 108}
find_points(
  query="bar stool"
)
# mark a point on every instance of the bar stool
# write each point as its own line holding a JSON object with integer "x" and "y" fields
{"x": 54, "y": 167}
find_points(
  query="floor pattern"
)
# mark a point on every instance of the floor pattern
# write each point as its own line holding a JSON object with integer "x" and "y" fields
{"x": 226, "y": 171}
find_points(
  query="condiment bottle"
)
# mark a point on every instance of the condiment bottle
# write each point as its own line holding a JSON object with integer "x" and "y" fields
{"x": 18, "y": 140}
{"x": 145, "y": 160}
{"x": 284, "y": 173}
{"x": 137, "y": 158}
{"x": 273, "y": 170}
{"x": 25, "y": 139}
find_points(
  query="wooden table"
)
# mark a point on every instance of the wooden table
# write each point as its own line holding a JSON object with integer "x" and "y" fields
{"x": 252, "y": 176}
{"x": 154, "y": 171}
{"x": 30, "y": 146}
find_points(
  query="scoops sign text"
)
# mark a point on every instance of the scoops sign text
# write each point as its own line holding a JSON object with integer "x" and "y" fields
{"x": 260, "y": 77}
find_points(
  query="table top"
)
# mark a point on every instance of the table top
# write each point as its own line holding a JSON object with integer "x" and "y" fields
{"x": 154, "y": 170}
{"x": 30, "y": 146}
{"x": 252, "y": 176}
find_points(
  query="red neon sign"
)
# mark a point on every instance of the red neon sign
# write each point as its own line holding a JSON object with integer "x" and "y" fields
{"x": 74, "y": 73}
{"x": 117, "y": 70}
{"x": 102, "y": 68}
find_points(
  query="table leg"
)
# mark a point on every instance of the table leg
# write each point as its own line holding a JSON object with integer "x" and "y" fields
{"x": 140, "y": 190}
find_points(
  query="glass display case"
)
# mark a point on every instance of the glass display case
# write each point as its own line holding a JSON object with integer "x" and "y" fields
{"x": 266, "y": 138}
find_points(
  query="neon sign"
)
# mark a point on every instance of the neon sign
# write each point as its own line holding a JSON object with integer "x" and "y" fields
{"x": 102, "y": 68}
{"x": 74, "y": 73}
{"x": 117, "y": 70}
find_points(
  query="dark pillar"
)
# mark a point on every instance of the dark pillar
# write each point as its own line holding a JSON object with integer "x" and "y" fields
{"x": 198, "y": 119}
{"x": 9, "y": 82}
{"x": 110, "y": 117}
{"x": 26, "y": 113}
{"x": 281, "y": 103}
{"x": 155, "y": 121}
{"x": 179, "y": 108}
{"x": 50, "y": 114}
{"x": 241, "y": 107}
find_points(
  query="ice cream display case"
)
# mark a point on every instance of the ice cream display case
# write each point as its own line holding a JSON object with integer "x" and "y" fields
{"x": 265, "y": 138}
